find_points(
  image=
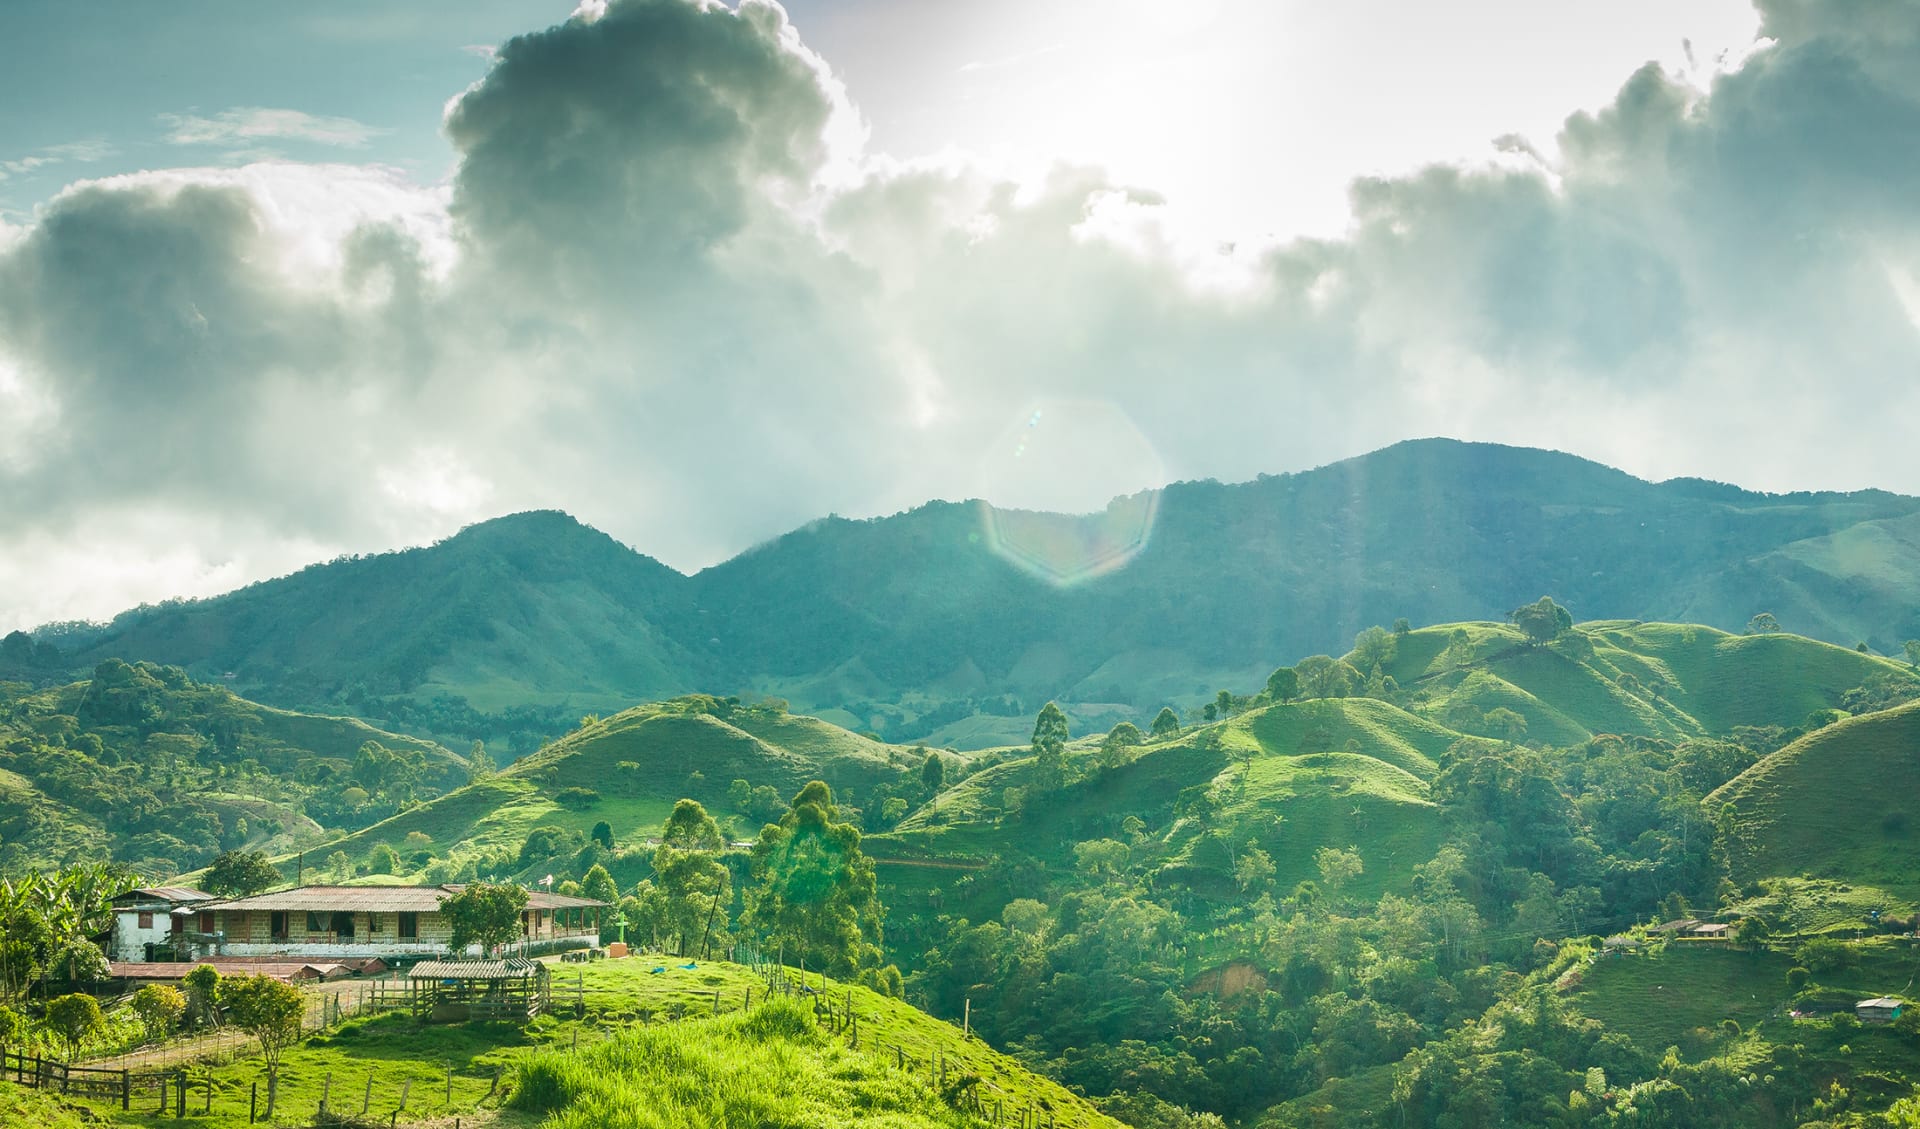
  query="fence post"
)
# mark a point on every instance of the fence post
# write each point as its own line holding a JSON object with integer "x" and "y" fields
{"x": 126, "y": 1089}
{"x": 368, "y": 1099}
{"x": 253, "y": 1104}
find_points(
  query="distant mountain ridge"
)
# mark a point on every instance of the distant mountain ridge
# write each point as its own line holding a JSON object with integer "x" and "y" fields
{"x": 889, "y": 622}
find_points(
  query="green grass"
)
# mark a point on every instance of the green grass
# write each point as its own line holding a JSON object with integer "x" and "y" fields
{"x": 1379, "y": 730}
{"x": 22, "y": 1106}
{"x": 1679, "y": 996}
{"x": 616, "y": 1028}
{"x": 1839, "y": 803}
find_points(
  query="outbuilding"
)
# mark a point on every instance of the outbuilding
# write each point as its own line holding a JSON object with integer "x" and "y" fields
{"x": 1884, "y": 1009}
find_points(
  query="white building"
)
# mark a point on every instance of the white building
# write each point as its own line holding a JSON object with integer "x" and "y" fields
{"x": 160, "y": 918}
{"x": 345, "y": 922}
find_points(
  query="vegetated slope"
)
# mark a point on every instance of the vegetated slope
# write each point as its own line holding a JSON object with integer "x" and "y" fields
{"x": 1664, "y": 680}
{"x": 1837, "y": 803}
{"x": 777, "y": 1064}
{"x": 916, "y": 622}
{"x": 531, "y": 608}
{"x": 627, "y": 771}
{"x": 145, "y": 766}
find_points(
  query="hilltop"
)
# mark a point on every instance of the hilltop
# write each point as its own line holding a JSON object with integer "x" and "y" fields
{"x": 930, "y": 625}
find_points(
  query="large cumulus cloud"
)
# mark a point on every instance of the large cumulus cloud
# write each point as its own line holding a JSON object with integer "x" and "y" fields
{"x": 669, "y": 291}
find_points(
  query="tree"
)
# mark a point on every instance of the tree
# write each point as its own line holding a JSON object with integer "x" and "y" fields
{"x": 1504, "y": 722}
{"x": 1373, "y": 647}
{"x": 1402, "y": 627}
{"x": 383, "y": 859}
{"x": 1113, "y": 747}
{"x": 814, "y": 890}
{"x": 602, "y": 834}
{"x": 1254, "y": 871}
{"x": 1912, "y": 648}
{"x": 479, "y": 763}
{"x": 599, "y": 885}
{"x": 1049, "y": 747}
{"x": 1099, "y": 858}
{"x": 75, "y": 1018}
{"x": 1324, "y": 677}
{"x": 203, "y": 995}
{"x": 1542, "y": 621}
{"x": 739, "y": 795}
{"x": 159, "y": 1007}
{"x": 1763, "y": 624}
{"x": 1223, "y": 704}
{"x": 1283, "y": 685}
{"x": 486, "y": 914}
{"x": 933, "y": 773}
{"x": 79, "y": 961}
{"x": 1338, "y": 867}
{"x": 688, "y": 871}
{"x": 340, "y": 866}
{"x": 13, "y": 1028}
{"x": 1166, "y": 724}
{"x": 270, "y": 1011}
{"x": 240, "y": 874}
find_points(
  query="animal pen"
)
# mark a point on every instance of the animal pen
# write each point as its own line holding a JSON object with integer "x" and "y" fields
{"x": 450, "y": 991}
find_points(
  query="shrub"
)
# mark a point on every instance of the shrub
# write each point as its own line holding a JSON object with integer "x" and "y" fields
{"x": 577, "y": 799}
{"x": 1797, "y": 978}
{"x": 159, "y": 1007}
{"x": 1825, "y": 954}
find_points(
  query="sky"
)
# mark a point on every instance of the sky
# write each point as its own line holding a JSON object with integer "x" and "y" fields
{"x": 284, "y": 282}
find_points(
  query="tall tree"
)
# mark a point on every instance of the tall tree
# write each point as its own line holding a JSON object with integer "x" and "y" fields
{"x": 1373, "y": 647}
{"x": 687, "y": 870}
{"x": 814, "y": 891}
{"x": 933, "y": 773}
{"x": 1049, "y": 748}
{"x": 1166, "y": 723}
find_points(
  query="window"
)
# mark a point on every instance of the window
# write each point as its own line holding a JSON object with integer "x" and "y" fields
{"x": 373, "y": 923}
{"x": 342, "y": 925}
{"x": 206, "y": 921}
{"x": 277, "y": 924}
{"x": 313, "y": 923}
{"x": 409, "y": 926}
{"x": 146, "y": 919}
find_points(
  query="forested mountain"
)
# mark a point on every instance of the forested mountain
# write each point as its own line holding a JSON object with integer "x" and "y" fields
{"x": 923, "y": 625}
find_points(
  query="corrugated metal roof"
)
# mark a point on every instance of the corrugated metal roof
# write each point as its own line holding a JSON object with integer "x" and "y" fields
{"x": 166, "y": 894}
{"x": 177, "y": 970}
{"x": 510, "y": 969}
{"x": 1882, "y": 1002}
{"x": 380, "y": 899}
{"x": 375, "y": 899}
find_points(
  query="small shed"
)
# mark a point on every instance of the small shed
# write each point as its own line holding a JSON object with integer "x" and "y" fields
{"x": 1619, "y": 944}
{"x": 1712, "y": 931}
{"x": 450, "y": 991}
{"x": 1885, "y": 1009}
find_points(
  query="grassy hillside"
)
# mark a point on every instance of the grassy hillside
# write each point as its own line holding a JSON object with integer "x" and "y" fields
{"x": 627, "y": 770}
{"x": 1838, "y": 803}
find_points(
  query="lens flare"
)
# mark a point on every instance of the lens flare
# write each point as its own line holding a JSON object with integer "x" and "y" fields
{"x": 1050, "y": 482}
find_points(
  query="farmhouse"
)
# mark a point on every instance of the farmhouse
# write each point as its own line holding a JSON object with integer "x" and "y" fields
{"x": 1882, "y": 1010}
{"x": 160, "y": 920}
{"x": 341, "y": 922}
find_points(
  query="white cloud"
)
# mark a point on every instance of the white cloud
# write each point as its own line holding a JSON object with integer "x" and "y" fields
{"x": 247, "y": 126}
{"x": 670, "y": 291}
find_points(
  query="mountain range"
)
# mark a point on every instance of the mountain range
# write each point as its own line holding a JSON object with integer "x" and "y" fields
{"x": 951, "y": 622}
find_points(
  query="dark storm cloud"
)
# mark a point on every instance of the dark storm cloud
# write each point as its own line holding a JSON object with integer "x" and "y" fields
{"x": 666, "y": 292}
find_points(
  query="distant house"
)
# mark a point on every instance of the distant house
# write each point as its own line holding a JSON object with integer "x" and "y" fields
{"x": 1883, "y": 1010}
{"x": 1711, "y": 931}
{"x": 1679, "y": 925}
{"x": 340, "y": 922}
{"x": 158, "y": 920}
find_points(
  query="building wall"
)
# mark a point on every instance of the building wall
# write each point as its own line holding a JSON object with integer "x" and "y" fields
{"x": 250, "y": 933}
{"x": 129, "y": 941}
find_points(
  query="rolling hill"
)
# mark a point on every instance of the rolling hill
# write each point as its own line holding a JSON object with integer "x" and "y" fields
{"x": 930, "y": 625}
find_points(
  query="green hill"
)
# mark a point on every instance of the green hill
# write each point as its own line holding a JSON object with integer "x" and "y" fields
{"x": 145, "y": 766}
{"x": 914, "y": 625}
{"x": 1837, "y": 803}
{"x": 627, "y": 770}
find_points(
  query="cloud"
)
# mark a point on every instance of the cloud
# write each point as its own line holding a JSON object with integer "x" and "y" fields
{"x": 669, "y": 290}
{"x": 248, "y": 126}
{"x": 71, "y": 151}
